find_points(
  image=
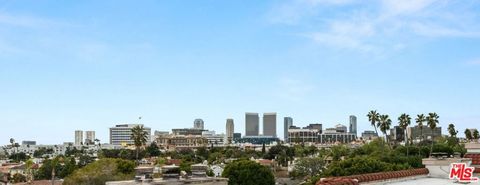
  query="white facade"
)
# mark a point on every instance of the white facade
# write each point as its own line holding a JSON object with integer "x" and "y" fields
{"x": 90, "y": 137}
{"x": 120, "y": 134}
{"x": 78, "y": 137}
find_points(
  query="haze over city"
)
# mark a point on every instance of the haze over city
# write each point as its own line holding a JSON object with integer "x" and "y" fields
{"x": 64, "y": 68}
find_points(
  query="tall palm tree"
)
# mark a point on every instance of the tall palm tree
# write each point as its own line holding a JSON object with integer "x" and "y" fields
{"x": 419, "y": 120}
{"x": 374, "y": 118}
{"x": 451, "y": 130}
{"x": 139, "y": 137}
{"x": 404, "y": 121}
{"x": 12, "y": 142}
{"x": 384, "y": 125}
{"x": 432, "y": 121}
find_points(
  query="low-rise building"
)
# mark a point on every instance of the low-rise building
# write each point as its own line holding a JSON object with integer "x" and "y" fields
{"x": 329, "y": 135}
{"x": 172, "y": 142}
{"x": 417, "y": 133}
{"x": 369, "y": 135}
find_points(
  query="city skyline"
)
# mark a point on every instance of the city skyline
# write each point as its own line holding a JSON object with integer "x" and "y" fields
{"x": 64, "y": 69}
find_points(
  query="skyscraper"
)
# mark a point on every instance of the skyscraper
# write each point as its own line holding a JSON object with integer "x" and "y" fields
{"x": 287, "y": 122}
{"x": 252, "y": 126}
{"x": 78, "y": 137}
{"x": 229, "y": 131}
{"x": 270, "y": 124}
{"x": 353, "y": 124}
{"x": 89, "y": 137}
{"x": 198, "y": 124}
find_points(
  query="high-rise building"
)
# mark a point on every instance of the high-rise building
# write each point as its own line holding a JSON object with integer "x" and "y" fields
{"x": 198, "y": 124}
{"x": 252, "y": 126}
{"x": 120, "y": 134}
{"x": 353, "y": 124}
{"x": 270, "y": 124}
{"x": 89, "y": 137}
{"x": 78, "y": 137}
{"x": 287, "y": 122}
{"x": 229, "y": 131}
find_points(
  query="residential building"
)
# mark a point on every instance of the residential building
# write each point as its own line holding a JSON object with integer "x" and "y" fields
{"x": 287, "y": 122}
{"x": 416, "y": 133}
{"x": 353, "y": 125}
{"x": 270, "y": 124}
{"x": 198, "y": 124}
{"x": 120, "y": 134}
{"x": 78, "y": 137}
{"x": 252, "y": 125}
{"x": 89, "y": 137}
{"x": 229, "y": 131}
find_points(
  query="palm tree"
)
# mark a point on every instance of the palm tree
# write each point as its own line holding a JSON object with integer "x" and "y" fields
{"x": 432, "y": 121}
{"x": 451, "y": 130}
{"x": 384, "y": 125}
{"x": 12, "y": 142}
{"x": 139, "y": 137}
{"x": 419, "y": 120}
{"x": 468, "y": 134}
{"x": 404, "y": 121}
{"x": 374, "y": 117}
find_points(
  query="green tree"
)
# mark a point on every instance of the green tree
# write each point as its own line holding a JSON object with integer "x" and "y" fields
{"x": 139, "y": 137}
{"x": 153, "y": 150}
{"x": 475, "y": 134}
{"x": 101, "y": 171}
{"x": 384, "y": 125}
{"x": 308, "y": 166}
{"x": 451, "y": 130}
{"x": 17, "y": 157}
{"x": 404, "y": 121}
{"x": 374, "y": 118}
{"x": 246, "y": 172}
{"x": 419, "y": 120}
{"x": 468, "y": 134}
{"x": 432, "y": 121}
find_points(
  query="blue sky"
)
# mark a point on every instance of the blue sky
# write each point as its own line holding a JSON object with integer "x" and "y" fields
{"x": 92, "y": 64}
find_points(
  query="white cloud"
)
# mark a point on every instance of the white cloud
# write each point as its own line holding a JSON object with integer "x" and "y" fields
{"x": 394, "y": 7}
{"x": 377, "y": 27}
{"x": 30, "y": 21}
